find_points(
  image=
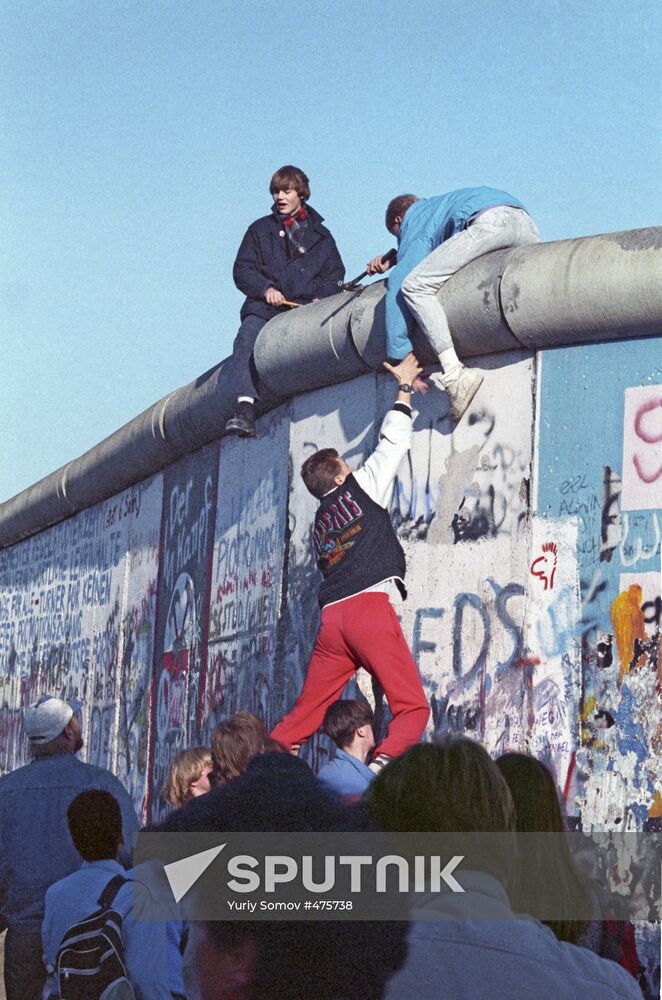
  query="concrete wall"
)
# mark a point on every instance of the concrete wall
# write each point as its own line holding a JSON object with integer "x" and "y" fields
{"x": 532, "y": 534}
{"x": 193, "y": 594}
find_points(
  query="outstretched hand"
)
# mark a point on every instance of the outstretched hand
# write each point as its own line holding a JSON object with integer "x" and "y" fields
{"x": 408, "y": 370}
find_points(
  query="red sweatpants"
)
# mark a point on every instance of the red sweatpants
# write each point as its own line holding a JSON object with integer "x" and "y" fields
{"x": 362, "y": 631}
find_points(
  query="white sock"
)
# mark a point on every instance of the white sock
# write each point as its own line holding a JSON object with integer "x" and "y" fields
{"x": 245, "y": 399}
{"x": 448, "y": 360}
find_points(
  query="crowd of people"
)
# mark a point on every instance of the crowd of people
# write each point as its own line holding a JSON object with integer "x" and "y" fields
{"x": 66, "y": 831}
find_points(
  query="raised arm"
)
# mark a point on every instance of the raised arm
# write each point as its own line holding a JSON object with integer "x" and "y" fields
{"x": 377, "y": 473}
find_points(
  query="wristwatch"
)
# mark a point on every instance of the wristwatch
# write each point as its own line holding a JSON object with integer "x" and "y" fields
{"x": 405, "y": 387}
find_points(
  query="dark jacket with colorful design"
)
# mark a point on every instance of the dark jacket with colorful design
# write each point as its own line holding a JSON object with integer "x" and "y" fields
{"x": 268, "y": 259}
{"x": 355, "y": 543}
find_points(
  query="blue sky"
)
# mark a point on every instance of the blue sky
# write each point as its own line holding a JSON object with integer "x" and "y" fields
{"x": 137, "y": 140}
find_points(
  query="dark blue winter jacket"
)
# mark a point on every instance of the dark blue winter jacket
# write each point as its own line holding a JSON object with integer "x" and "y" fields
{"x": 265, "y": 260}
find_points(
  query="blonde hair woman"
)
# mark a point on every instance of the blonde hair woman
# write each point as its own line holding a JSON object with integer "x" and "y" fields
{"x": 188, "y": 776}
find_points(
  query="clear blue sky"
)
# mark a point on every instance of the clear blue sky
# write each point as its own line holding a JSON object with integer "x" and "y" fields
{"x": 138, "y": 138}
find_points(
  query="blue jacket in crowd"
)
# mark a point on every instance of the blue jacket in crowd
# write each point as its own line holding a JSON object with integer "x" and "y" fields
{"x": 345, "y": 774}
{"x": 427, "y": 224}
{"x": 267, "y": 259}
{"x": 36, "y": 848}
{"x": 152, "y": 971}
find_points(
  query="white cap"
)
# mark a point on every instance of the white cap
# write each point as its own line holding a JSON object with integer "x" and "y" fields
{"x": 46, "y": 719}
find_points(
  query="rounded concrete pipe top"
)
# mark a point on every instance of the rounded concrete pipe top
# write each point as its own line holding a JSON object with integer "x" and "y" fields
{"x": 308, "y": 347}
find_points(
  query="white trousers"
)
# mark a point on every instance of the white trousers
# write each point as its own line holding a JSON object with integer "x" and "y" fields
{"x": 494, "y": 229}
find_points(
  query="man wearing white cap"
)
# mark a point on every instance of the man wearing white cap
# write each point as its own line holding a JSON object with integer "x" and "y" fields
{"x": 35, "y": 845}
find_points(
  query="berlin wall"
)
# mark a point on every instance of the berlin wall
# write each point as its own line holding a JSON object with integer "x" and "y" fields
{"x": 533, "y": 539}
{"x": 532, "y": 533}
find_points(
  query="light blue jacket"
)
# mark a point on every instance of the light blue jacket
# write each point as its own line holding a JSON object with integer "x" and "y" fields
{"x": 75, "y": 897}
{"x": 36, "y": 848}
{"x": 471, "y": 946}
{"x": 346, "y": 775}
{"x": 427, "y": 224}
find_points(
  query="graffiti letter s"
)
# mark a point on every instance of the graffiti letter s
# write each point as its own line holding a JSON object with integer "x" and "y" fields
{"x": 649, "y": 438}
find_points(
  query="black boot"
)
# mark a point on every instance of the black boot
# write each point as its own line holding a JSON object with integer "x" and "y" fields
{"x": 243, "y": 421}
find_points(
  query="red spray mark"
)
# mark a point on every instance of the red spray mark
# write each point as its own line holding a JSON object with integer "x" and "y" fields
{"x": 544, "y": 566}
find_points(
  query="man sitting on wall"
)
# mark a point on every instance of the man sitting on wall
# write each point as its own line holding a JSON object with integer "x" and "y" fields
{"x": 363, "y": 566}
{"x": 436, "y": 237}
{"x": 286, "y": 257}
{"x": 349, "y": 724}
{"x": 35, "y": 846}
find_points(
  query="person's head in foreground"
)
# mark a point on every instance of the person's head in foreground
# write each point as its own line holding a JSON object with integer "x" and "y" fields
{"x": 95, "y": 824}
{"x": 472, "y": 944}
{"x": 448, "y": 787}
{"x": 189, "y": 776}
{"x": 287, "y": 960}
{"x": 53, "y": 727}
{"x": 552, "y": 867}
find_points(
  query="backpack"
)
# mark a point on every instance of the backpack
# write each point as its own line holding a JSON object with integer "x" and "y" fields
{"x": 89, "y": 964}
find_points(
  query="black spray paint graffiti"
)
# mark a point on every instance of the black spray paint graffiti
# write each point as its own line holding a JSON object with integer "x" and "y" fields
{"x": 610, "y": 532}
{"x": 470, "y": 612}
{"x": 485, "y": 509}
{"x": 180, "y": 648}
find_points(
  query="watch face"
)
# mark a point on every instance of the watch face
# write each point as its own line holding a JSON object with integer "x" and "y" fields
{"x": 405, "y": 387}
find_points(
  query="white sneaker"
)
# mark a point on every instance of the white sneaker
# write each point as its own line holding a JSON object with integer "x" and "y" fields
{"x": 461, "y": 385}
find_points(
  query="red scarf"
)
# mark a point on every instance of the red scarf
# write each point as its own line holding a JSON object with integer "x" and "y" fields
{"x": 293, "y": 224}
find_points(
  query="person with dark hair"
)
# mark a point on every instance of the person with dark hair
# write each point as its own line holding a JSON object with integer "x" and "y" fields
{"x": 284, "y": 960}
{"x": 188, "y": 777}
{"x": 348, "y": 723}
{"x": 539, "y": 811}
{"x": 95, "y": 824}
{"x": 436, "y": 237}
{"x": 285, "y": 258}
{"x": 35, "y": 846}
{"x": 363, "y": 568}
{"x": 472, "y": 945}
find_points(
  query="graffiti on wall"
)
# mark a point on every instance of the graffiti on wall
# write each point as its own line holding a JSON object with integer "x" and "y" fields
{"x": 246, "y": 574}
{"x": 642, "y": 448}
{"x": 470, "y": 481}
{"x": 186, "y": 546}
{"x": 65, "y": 613}
{"x": 618, "y": 515}
{"x": 533, "y": 615}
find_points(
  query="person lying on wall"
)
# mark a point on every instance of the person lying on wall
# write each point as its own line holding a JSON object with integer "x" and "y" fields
{"x": 363, "y": 569}
{"x": 286, "y": 259}
{"x": 457, "y": 227}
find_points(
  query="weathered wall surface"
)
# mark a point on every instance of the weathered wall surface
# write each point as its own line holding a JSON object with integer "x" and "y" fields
{"x": 528, "y": 530}
{"x": 532, "y": 534}
{"x": 600, "y": 464}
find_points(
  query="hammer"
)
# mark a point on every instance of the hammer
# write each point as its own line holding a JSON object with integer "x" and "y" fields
{"x": 350, "y": 286}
